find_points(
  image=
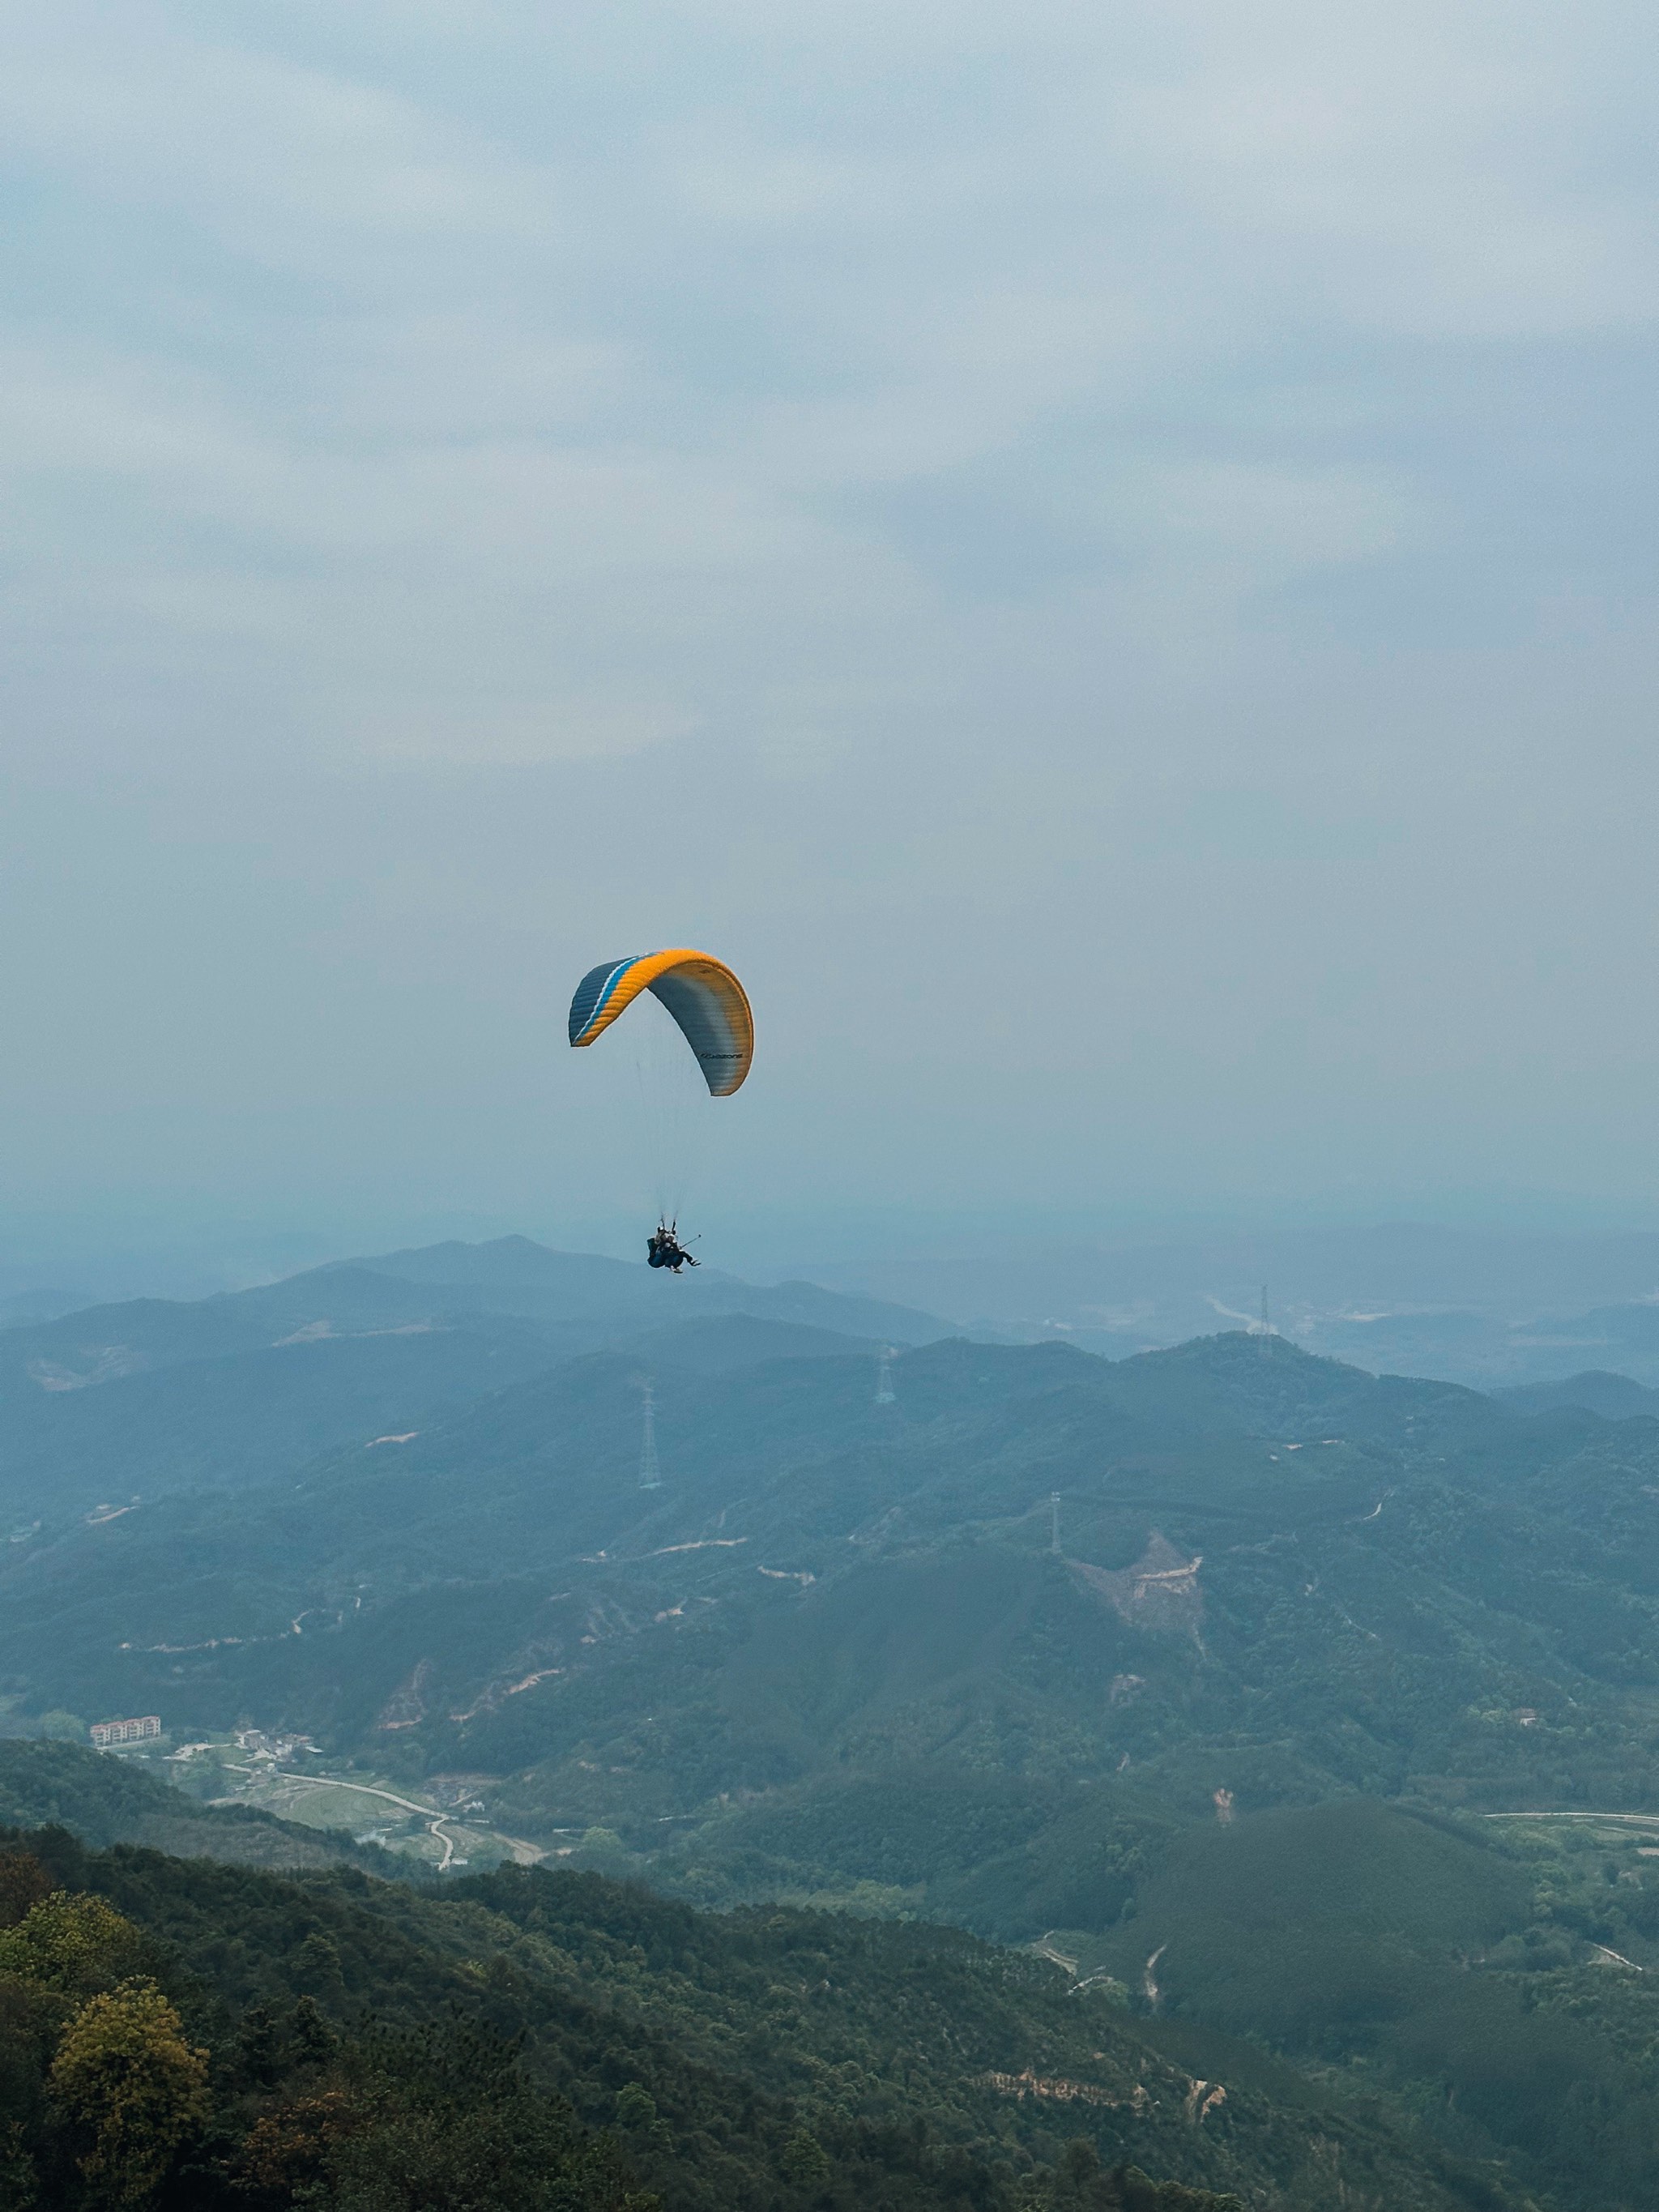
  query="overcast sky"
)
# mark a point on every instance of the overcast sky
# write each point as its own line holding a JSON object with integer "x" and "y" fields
{"x": 1103, "y": 557}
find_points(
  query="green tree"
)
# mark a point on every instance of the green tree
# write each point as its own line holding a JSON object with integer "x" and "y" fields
{"x": 128, "y": 2081}
{"x": 804, "y": 2161}
{"x": 23, "y": 1882}
{"x": 638, "y": 2119}
{"x": 636, "y": 2108}
{"x": 317, "y": 1969}
{"x": 71, "y": 1943}
{"x": 18, "y": 2191}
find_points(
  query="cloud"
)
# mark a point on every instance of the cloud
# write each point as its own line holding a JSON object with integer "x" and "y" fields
{"x": 539, "y": 366}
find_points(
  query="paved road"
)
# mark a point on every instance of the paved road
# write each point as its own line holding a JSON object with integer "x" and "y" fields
{"x": 1625, "y": 1819}
{"x": 435, "y": 1822}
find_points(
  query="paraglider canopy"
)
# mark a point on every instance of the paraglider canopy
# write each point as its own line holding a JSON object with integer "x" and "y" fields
{"x": 702, "y": 994}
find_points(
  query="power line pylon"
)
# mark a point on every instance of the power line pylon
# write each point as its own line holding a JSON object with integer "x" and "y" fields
{"x": 884, "y": 1392}
{"x": 650, "y": 1473}
{"x": 1054, "y": 1522}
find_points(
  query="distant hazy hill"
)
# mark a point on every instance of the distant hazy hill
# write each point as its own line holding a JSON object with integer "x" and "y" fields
{"x": 1490, "y": 1352}
{"x": 22, "y": 1307}
{"x": 514, "y": 1275}
{"x": 101, "y": 1405}
{"x": 247, "y": 1417}
{"x": 1615, "y": 1397}
{"x": 1461, "y": 1302}
{"x": 412, "y": 1290}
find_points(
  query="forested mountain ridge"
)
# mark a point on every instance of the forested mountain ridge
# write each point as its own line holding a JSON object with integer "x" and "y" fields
{"x": 100, "y": 1406}
{"x": 512, "y": 1278}
{"x": 533, "y": 2040}
{"x": 1275, "y": 1575}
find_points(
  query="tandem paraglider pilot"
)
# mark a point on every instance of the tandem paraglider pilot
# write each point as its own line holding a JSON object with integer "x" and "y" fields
{"x": 711, "y": 1010}
{"x": 663, "y": 1249}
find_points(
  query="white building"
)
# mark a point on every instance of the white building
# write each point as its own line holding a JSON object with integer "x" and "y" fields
{"x": 105, "y": 1734}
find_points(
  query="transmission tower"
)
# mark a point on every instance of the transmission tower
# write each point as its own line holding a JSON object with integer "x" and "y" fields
{"x": 884, "y": 1395}
{"x": 650, "y": 1473}
{"x": 1266, "y": 1327}
{"x": 1054, "y": 1522}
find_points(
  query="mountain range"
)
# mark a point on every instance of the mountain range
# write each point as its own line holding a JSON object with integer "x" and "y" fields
{"x": 1216, "y": 1673}
{"x": 155, "y": 1394}
{"x": 1483, "y": 1307}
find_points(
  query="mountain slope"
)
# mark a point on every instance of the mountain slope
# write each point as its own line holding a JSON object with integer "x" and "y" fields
{"x": 1045, "y": 1646}
{"x": 108, "y": 1800}
{"x": 1277, "y": 1577}
{"x": 1413, "y": 1953}
{"x": 247, "y": 1417}
{"x": 1614, "y": 1397}
{"x": 514, "y": 1275}
{"x": 781, "y": 2059}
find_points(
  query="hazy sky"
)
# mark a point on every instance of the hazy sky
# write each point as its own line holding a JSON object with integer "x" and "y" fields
{"x": 1105, "y": 557}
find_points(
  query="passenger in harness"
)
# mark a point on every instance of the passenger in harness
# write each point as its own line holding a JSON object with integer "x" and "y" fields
{"x": 663, "y": 1249}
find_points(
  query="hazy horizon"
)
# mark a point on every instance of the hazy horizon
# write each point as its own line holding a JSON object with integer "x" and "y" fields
{"x": 1173, "y": 1277}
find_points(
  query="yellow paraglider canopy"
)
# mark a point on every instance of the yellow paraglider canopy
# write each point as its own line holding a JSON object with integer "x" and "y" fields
{"x": 702, "y": 994}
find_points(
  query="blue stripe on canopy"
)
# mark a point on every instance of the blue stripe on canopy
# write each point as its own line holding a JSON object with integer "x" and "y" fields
{"x": 594, "y": 989}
